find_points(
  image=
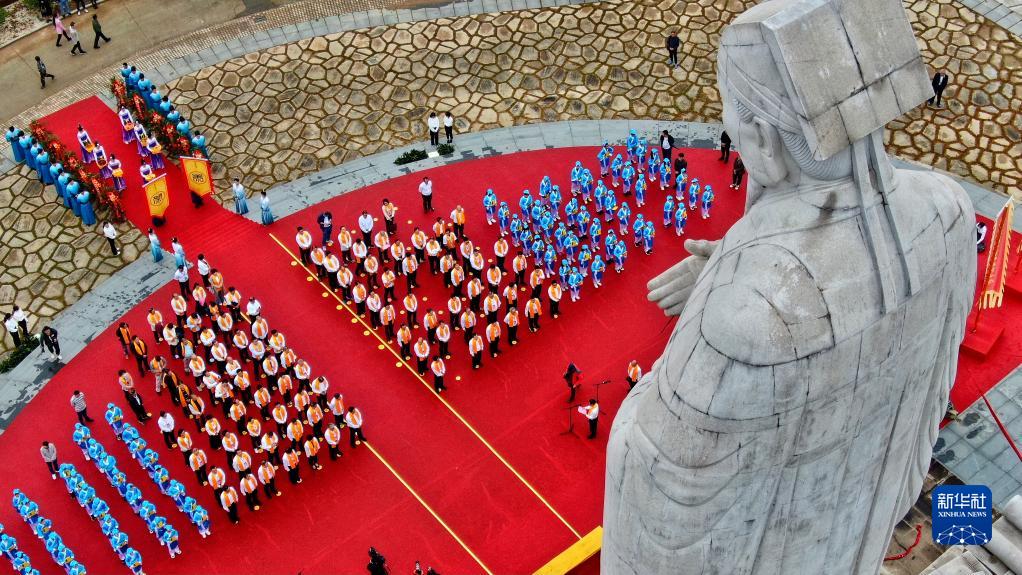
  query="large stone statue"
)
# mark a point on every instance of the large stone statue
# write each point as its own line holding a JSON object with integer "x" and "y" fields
{"x": 789, "y": 423}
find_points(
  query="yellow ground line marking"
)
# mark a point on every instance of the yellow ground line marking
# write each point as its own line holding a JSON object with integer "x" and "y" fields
{"x": 427, "y": 507}
{"x": 435, "y": 394}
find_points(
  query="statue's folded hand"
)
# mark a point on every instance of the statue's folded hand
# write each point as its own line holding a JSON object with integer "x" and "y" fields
{"x": 670, "y": 290}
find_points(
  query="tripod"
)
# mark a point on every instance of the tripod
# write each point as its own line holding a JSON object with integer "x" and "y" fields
{"x": 571, "y": 420}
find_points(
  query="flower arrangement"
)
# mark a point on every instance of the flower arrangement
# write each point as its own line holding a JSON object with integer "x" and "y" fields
{"x": 103, "y": 195}
{"x": 172, "y": 144}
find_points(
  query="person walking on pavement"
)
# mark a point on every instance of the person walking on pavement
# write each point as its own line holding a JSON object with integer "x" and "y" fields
{"x": 58, "y": 27}
{"x": 939, "y": 84}
{"x": 50, "y": 343}
{"x": 81, "y": 409}
{"x": 97, "y": 28}
{"x": 76, "y": 41}
{"x": 725, "y": 147}
{"x": 43, "y": 74}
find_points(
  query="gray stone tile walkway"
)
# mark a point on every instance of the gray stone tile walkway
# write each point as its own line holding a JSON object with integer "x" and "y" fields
{"x": 976, "y": 451}
{"x": 1005, "y": 13}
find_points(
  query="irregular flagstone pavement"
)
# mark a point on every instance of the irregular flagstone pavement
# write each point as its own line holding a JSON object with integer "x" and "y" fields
{"x": 48, "y": 259}
{"x": 294, "y": 109}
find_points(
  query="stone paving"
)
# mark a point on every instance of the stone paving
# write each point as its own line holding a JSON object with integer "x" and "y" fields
{"x": 1005, "y": 13}
{"x": 294, "y": 109}
{"x": 48, "y": 259}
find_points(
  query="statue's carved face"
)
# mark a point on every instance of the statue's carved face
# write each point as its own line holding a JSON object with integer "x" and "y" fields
{"x": 759, "y": 145}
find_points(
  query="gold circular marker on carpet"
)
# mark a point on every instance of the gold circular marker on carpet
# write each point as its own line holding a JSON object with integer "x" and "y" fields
{"x": 409, "y": 222}
{"x": 441, "y": 312}
{"x": 354, "y": 320}
{"x": 338, "y": 307}
{"x": 457, "y": 378}
{"x": 489, "y": 260}
{"x": 381, "y": 346}
{"x": 325, "y": 294}
{"x": 402, "y": 312}
{"x": 294, "y": 263}
{"x": 308, "y": 278}
{"x": 365, "y": 332}
{"x": 424, "y": 298}
{"x": 399, "y": 364}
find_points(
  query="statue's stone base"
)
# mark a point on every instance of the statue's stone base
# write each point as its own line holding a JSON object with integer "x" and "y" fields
{"x": 926, "y": 551}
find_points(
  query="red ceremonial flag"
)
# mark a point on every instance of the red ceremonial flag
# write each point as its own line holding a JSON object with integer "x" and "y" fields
{"x": 996, "y": 274}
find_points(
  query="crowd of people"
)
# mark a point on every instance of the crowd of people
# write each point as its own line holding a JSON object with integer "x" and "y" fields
{"x": 364, "y": 264}
{"x": 99, "y": 511}
{"x": 263, "y": 389}
{"x": 43, "y": 528}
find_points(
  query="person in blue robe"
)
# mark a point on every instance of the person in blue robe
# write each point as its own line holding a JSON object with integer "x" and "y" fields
{"x": 85, "y": 204}
{"x": 264, "y": 207}
{"x": 154, "y": 246}
{"x": 73, "y": 187}
{"x": 12, "y": 135}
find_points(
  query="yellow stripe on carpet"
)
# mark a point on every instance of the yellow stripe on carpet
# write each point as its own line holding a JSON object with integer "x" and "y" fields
{"x": 575, "y": 555}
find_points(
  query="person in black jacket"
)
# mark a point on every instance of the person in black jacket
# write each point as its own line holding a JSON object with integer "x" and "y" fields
{"x": 939, "y": 83}
{"x": 666, "y": 144}
{"x": 737, "y": 173}
{"x": 680, "y": 163}
{"x": 673, "y": 43}
{"x": 725, "y": 147}
{"x": 49, "y": 339}
{"x": 572, "y": 376}
{"x": 137, "y": 406}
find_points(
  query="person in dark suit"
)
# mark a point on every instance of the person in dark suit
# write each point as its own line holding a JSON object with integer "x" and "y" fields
{"x": 137, "y": 406}
{"x": 673, "y": 43}
{"x": 725, "y": 147}
{"x": 737, "y": 173}
{"x": 666, "y": 144}
{"x": 939, "y": 83}
{"x": 326, "y": 225}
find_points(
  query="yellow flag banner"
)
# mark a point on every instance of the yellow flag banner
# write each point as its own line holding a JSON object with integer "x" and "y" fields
{"x": 197, "y": 174}
{"x": 157, "y": 196}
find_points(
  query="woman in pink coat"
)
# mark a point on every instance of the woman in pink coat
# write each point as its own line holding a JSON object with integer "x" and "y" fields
{"x": 58, "y": 27}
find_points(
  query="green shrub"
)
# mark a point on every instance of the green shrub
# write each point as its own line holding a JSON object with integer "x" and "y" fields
{"x": 445, "y": 149}
{"x": 19, "y": 353}
{"x": 411, "y": 156}
{"x": 3, "y": 15}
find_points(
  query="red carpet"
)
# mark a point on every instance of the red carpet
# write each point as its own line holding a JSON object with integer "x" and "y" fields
{"x": 516, "y": 402}
{"x": 976, "y": 375}
{"x": 204, "y": 227}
